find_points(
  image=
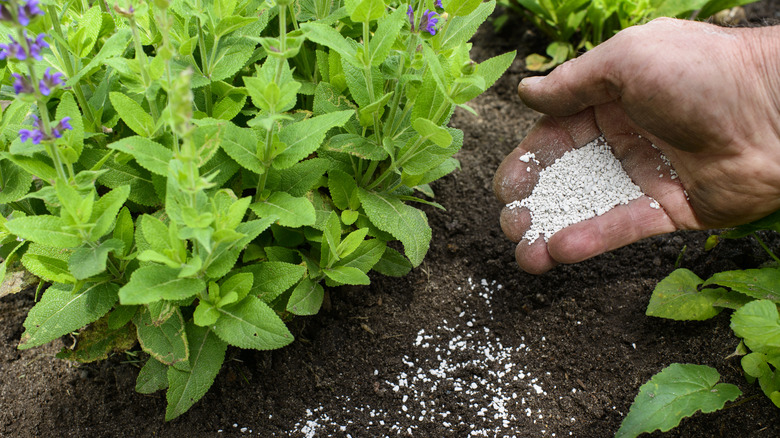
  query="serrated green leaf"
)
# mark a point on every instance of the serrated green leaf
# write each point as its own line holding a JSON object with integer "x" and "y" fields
{"x": 105, "y": 210}
{"x": 15, "y": 182}
{"x": 762, "y": 284}
{"x": 229, "y": 106}
{"x": 461, "y": 29}
{"x": 301, "y": 177}
{"x": 306, "y": 298}
{"x": 139, "y": 179}
{"x": 124, "y": 229}
{"x": 433, "y": 132}
{"x": 367, "y": 254}
{"x": 241, "y": 145}
{"x": 114, "y": 46}
{"x": 351, "y": 242}
{"x": 233, "y": 54}
{"x": 230, "y": 24}
{"x": 87, "y": 261}
{"x": 341, "y": 186}
{"x": 393, "y": 264}
{"x": 273, "y": 278}
{"x": 365, "y": 10}
{"x": 61, "y": 311}
{"x": 152, "y": 377}
{"x": 405, "y": 223}
{"x": 304, "y": 137}
{"x": 152, "y": 156}
{"x": 132, "y": 113}
{"x": 239, "y": 284}
{"x": 289, "y": 210}
{"x": 155, "y": 233}
{"x": 461, "y": 8}
{"x": 385, "y": 35}
{"x": 154, "y": 283}
{"x": 331, "y": 38}
{"x": 758, "y": 324}
{"x": 679, "y": 391}
{"x": 250, "y": 323}
{"x": 347, "y": 275}
{"x": 185, "y": 387}
{"x": 43, "y": 229}
{"x": 50, "y": 264}
{"x": 356, "y": 145}
{"x": 166, "y": 341}
{"x": 74, "y": 138}
{"x": 678, "y": 297}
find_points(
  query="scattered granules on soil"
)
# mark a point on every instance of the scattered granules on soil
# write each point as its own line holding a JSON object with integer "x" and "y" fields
{"x": 583, "y": 183}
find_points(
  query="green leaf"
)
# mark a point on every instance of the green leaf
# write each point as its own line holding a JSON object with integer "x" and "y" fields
{"x": 393, "y": 264}
{"x": 291, "y": 211}
{"x": 385, "y": 35}
{"x": 433, "y": 132}
{"x": 61, "y": 311}
{"x": 154, "y": 283}
{"x": 239, "y": 284}
{"x": 155, "y": 233}
{"x": 351, "y": 242}
{"x": 43, "y": 229}
{"x": 304, "y": 137}
{"x": 50, "y": 264}
{"x": 124, "y": 229}
{"x": 14, "y": 182}
{"x": 367, "y": 254}
{"x": 105, "y": 210}
{"x": 306, "y": 298}
{"x": 364, "y": 10}
{"x": 87, "y": 261}
{"x": 241, "y": 145}
{"x": 405, "y": 223}
{"x": 758, "y": 324}
{"x": 273, "y": 278}
{"x": 341, "y": 186}
{"x": 461, "y": 8}
{"x": 132, "y": 113}
{"x": 166, "y": 341}
{"x": 229, "y": 106}
{"x": 762, "y": 284}
{"x": 83, "y": 40}
{"x": 250, "y": 323}
{"x": 99, "y": 340}
{"x": 461, "y": 29}
{"x": 356, "y": 145}
{"x": 233, "y": 54}
{"x": 150, "y": 155}
{"x": 230, "y": 24}
{"x": 152, "y": 377}
{"x": 678, "y": 297}
{"x": 679, "y": 391}
{"x": 74, "y": 138}
{"x": 330, "y": 37}
{"x": 113, "y": 47}
{"x": 301, "y": 177}
{"x": 347, "y": 275}
{"x": 185, "y": 387}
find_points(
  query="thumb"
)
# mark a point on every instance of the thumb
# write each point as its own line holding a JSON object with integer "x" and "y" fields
{"x": 577, "y": 84}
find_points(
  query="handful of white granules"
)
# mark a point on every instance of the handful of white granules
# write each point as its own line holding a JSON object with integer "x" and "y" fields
{"x": 583, "y": 183}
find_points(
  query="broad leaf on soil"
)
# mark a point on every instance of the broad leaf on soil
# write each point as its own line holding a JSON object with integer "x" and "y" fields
{"x": 762, "y": 284}
{"x": 250, "y": 323}
{"x": 61, "y": 311}
{"x": 166, "y": 342}
{"x": 678, "y": 297}
{"x": 758, "y": 324}
{"x": 679, "y": 391}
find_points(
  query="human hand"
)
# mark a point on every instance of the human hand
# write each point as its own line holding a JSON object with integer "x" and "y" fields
{"x": 707, "y": 97}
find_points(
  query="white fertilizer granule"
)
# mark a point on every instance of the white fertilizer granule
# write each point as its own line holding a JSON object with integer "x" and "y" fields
{"x": 583, "y": 183}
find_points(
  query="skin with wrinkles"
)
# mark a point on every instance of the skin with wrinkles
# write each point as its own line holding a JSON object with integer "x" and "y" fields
{"x": 707, "y": 97}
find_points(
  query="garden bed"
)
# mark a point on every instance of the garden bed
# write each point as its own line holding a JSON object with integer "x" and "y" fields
{"x": 465, "y": 344}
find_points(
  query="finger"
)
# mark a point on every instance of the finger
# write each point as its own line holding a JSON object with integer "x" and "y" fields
{"x": 577, "y": 84}
{"x": 618, "y": 227}
{"x": 547, "y": 141}
{"x": 515, "y": 221}
{"x": 534, "y": 258}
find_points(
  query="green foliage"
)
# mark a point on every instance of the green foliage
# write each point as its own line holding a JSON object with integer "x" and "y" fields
{"x": 679, "y": 391}
{"x": 227, "y": 162}
{"x": 754, "y": 295}
{"x": 574, "y": 25}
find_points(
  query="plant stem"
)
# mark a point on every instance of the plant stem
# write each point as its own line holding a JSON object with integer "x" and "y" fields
{"x": 144, "y": 67}
{"x": 766, "y": 248}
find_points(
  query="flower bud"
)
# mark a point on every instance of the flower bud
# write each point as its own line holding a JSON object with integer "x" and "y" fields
{"x": 468, "y": 67}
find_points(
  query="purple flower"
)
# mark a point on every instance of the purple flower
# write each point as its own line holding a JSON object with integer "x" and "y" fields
{"x": 5, "y": 13}
{"x": 22, "y": 84}
{"x": 37, "y": 134}
{"x": 437, "y": 3}
{"x": 50, "y": 81}
{"x": 428, "y": 21}
{"x": 410, "y": 14}
{"x": 15, "y": 50}
{"x": 28, "y": 11}
{"x": 62, "y": 125}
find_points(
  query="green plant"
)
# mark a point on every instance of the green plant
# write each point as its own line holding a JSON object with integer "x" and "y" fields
{"x": 574, "y": 25}
{"x": 196, "y": 170}
{"x": 681, "y": 390}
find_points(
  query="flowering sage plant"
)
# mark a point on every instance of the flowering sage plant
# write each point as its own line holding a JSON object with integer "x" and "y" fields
{"x": 184, "y": 175}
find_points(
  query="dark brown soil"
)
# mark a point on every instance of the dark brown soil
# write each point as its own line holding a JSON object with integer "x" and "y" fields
{"x": 573, "y": 345}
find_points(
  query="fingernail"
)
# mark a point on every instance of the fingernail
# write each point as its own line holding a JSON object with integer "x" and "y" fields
{"x": 531, "y": 80}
